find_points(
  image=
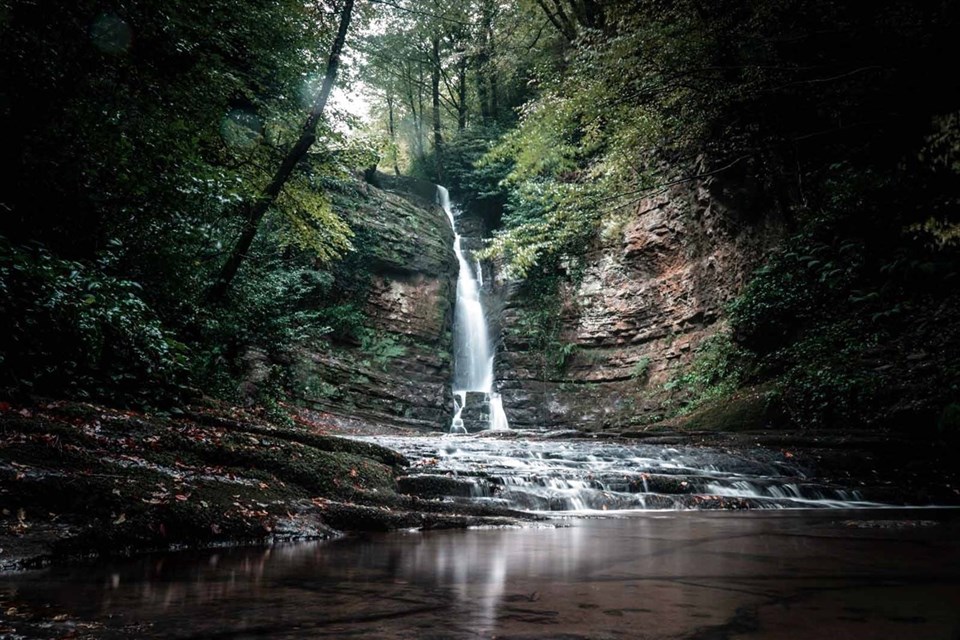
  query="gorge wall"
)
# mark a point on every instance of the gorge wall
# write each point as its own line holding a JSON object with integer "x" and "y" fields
{"x": 397, "y": 371}
{"x": 632, "y": 312}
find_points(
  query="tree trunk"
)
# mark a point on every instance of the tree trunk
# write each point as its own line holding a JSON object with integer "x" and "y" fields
{"x": 415, "y": 113}
{"x": 482, "y": 62}
{"x": 494, "y": 95}
{"x": 435, "y": 88}
{"x": 393, "y": 133}
{"x": 558, "y": 18}
{"x": 254, "y": 211}
{"x": 421, "y": 146}
{"x": 462, "y": 93}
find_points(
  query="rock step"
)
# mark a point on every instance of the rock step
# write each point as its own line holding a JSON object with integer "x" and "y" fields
{"x": 584, "y": 475}
{"x": 648, "y": 491}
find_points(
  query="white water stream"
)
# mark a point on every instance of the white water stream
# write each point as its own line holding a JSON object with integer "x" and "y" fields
{"x": 593, "y": 476}
{"x": 472, "y": 351}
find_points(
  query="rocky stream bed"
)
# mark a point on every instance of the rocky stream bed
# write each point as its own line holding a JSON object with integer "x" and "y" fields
{"x": 79, "y": 479}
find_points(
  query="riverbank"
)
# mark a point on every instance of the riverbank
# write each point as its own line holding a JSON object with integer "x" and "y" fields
{"x": 80, "y": 479}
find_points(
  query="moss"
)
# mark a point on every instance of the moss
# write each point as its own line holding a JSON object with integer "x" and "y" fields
{"x": 428, "y": 486}
{"x": 746, "y": 410}
{"x": 334, "y": 474}
{"x": 113, "y": 481}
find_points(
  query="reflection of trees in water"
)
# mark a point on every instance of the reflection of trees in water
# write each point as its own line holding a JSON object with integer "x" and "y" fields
{"x": 588, "y": 578}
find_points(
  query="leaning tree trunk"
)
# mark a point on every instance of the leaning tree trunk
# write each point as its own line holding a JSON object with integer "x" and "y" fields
{"x": 254, "y": 211}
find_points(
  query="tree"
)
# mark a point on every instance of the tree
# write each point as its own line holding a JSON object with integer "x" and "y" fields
{"x": 255, "y": 210}
{"x": 569, "y": 17}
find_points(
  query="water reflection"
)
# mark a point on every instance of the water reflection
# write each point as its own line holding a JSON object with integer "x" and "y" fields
{"x": 674, "y": 575}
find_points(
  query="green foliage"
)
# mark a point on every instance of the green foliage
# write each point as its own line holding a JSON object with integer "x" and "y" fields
{"x": 539, "y": 325}
{"x": 640, "y": 370}
{"x": 270, "y": 394}
{"x": 949, "y": 421}
{"x": 69, "y": 325}
{"x": 718, "y": 368}
{"x": 139, "y": 130}
{"x": 547, "y": 221}
{"x": 465, "y": 174}
{"x": 346, "y": 321}
{"x": 798, "y": 284}
{"x": 826, "y": 316}
{"x": 825, "y": 382}
{"x": 311, "y": 223}
{"x": 381, "y": 347}
{"x": 484, "y": 63}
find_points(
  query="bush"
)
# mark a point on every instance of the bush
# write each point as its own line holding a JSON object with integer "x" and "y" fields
{"x": 70, "y": 327}
{"x": 718, "y": 368}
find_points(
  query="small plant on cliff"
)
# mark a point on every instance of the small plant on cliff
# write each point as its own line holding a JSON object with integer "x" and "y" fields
{"x": 381, "y": 347}
{"x": 641, "y": 370}
{"x": 717, "y": 370}
{"x": 540, "y": 324}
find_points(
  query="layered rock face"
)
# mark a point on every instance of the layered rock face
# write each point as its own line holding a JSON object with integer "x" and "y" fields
{"x": 651, "y": 291}
{"x": 398, "y": 371}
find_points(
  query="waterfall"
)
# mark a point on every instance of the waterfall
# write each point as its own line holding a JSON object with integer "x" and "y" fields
{"x": 472, "y": 351}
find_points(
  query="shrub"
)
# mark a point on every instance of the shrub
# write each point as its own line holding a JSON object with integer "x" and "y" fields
{"x": 70, "y": 327}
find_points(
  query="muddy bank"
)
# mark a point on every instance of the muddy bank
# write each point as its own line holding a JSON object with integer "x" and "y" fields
{"x": 79, "y": 479}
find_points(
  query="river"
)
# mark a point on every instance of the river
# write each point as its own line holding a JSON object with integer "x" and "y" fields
{"x": 891, "y": 573}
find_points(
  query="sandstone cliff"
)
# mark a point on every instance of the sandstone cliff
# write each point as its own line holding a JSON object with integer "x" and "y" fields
{"x": 398, "y": 370}
{"x": 633, "y": 312}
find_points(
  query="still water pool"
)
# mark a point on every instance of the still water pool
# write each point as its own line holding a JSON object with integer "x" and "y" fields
{"x": 891, "y": 574}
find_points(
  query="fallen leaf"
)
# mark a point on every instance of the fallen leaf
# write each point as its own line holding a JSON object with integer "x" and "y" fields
{"x": 120, "y": 519}
{"x": 181, "y": 497}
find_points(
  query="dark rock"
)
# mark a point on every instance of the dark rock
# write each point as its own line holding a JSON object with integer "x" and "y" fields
{"x": 400, "y": 373}
{"x": 431, "y": 486}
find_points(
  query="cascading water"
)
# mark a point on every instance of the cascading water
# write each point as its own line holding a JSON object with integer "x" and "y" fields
{"x": 472, "y": 352}
{"x": 579, "y": 476}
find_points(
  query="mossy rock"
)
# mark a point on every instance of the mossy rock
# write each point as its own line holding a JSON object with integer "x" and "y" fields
{"x": 746, "y": 410}
{"x": 429, "y": 486}
{"x": 108, "y": 481}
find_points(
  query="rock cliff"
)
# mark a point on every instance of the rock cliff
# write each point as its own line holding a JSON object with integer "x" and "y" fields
{"x": 631, "y": 312}
{"x": 397, "y": 370}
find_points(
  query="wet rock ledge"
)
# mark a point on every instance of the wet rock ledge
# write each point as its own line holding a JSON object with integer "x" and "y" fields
{"x": 80, "y": 479}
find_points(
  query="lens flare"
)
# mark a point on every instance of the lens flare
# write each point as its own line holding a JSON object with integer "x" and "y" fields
{"x": 111, "y": 34}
